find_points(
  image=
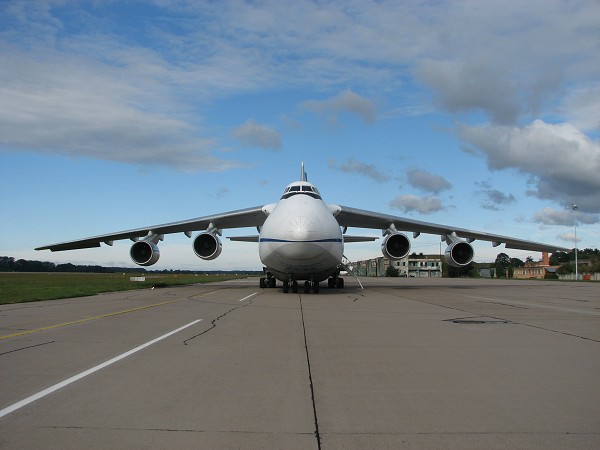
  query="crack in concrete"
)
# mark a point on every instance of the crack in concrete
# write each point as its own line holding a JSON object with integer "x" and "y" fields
{"x": 310, "y": 379}
{"x": 25, "y": 348}
{"x": 564, "y": 333}
{"x": 214, "y": 322}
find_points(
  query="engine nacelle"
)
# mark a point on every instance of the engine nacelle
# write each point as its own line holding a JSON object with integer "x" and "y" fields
{"x": 459, "y": 254}
{"x": 144, "y": 253}
{"x": 207, "y": 246}
{"x": 395, "y": 246}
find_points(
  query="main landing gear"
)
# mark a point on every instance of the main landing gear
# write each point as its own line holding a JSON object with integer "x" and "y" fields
{"x": 308, "y": 286}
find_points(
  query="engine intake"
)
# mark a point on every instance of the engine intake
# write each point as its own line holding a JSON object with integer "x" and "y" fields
{"x": 459, "y": 254}
{"x": 395, "y": 246}
{"x": 207, "y": 246}
{"x": 144, "y": 253}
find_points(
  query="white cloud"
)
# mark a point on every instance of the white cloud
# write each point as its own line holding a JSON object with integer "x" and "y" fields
{"x": 468, "y": 85}
{"x": 353, "y": 166}
{"x": 428, "y": 182}
{"x": 567, "y": 217}
{"x": 582, "y": 107}
{"x": 74, "y": 106}
{"x": 411, "y": 203}
{"x": 346, "y": 101}
{"x": 563, "y": 162}
{"x": 569, "y": 237}
{"x": 253, "y": 134}
{"x": 504, "y": 58}
{"x": 493, "y": 199}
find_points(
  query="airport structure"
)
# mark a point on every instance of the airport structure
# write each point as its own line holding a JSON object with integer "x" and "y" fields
{"x": 537, "y": 270}
{"x": 409, "y": 266}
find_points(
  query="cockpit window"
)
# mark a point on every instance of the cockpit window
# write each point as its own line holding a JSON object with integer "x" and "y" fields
{"x": 303, "y": 189}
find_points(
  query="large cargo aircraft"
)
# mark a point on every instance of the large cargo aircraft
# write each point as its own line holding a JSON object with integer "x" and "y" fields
{"x": 301, "y": 238}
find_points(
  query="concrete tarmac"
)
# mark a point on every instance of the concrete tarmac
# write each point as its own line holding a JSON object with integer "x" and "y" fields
{"x": 404, "y": 363}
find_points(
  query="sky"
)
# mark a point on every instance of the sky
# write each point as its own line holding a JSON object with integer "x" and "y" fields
{"x": 123, "y": 114}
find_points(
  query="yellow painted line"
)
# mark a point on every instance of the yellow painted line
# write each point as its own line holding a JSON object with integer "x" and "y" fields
{"x": 66, "y": 324}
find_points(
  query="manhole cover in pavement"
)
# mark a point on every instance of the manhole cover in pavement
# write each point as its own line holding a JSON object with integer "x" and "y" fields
{"x": 476, "y": 321}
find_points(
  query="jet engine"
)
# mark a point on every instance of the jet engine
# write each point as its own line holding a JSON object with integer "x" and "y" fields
{"x": 459, "y": 254}
{"x": 207, "y": 246}
{"x": 395, "y": 246}
{"x": 144, "y": 253}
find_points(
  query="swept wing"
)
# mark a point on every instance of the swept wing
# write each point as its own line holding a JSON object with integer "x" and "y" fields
{"x": 250, "y": 217}
{"x": 352, "y": 217}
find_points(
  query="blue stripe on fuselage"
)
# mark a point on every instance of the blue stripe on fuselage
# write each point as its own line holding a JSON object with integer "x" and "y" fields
{"x": 298, "y": 242}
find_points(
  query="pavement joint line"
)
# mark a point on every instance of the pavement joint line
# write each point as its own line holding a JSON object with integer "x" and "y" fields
{"x": 102, "y": 316}
{"x": 79, "y": 376}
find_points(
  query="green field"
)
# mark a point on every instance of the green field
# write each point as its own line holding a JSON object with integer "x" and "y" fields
{"x": 30, "y": 287}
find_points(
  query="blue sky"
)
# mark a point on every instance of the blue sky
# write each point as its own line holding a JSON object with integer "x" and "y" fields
{"x": 117, "y": 115}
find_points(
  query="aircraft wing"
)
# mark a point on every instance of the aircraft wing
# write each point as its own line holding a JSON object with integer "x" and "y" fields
{"x": 349, "y": 238}
{"x": 253, "y": 238}
{"x": 250, "y": 217}
{"x": 352, "y": 217}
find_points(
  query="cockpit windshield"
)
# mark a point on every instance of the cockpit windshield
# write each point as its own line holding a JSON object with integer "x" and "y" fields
{"x": 301, "y": 189}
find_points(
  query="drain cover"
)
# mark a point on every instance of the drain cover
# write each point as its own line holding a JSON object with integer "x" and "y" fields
{"x": 476, "y": 321}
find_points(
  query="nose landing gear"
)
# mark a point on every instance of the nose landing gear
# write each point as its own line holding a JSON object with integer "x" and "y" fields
{"x": 311, "y": 285}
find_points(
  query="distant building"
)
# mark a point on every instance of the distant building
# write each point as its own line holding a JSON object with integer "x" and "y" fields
{"x": 487, "y": 272}
{"x": 409, "y": 266}
{"x": 535, "y": 269}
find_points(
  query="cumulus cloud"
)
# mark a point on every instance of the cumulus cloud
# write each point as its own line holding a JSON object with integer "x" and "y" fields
{"x": 467, "y": 85}
{"x": 550, "y": 216}
{"x": 493, "y": 199}
{"x": 569, "y": 237}
{"x": 353, "y": 166}
{"x": 563, "y": 163}
{"x": 427, "y": 182}
{"x": 346, "y": 101}
{"x": 253, "y": 134}
{"x": 76, "y": 107}
{"x": 412, "y": 203}
{"x": 493, "y": 59}
{"x": 582, "y": 107}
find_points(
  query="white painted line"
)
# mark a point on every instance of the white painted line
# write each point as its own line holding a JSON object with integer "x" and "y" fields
{"x": 248, "y": 297}
{"x": 77, "y": 377}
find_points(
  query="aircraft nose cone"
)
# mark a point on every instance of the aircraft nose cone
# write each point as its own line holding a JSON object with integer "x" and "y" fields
{"x": 300, "y": 228}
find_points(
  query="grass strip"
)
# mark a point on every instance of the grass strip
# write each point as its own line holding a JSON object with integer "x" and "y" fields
{"x": 31, "y": 287}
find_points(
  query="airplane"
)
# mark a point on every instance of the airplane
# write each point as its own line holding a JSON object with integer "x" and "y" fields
{"x": 301, "y": 238}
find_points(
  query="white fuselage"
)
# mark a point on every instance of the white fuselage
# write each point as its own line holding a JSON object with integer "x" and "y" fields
{"x": 301, "y": 239}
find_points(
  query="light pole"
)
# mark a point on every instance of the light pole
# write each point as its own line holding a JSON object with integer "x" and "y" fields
{"x": 574, "y": 206}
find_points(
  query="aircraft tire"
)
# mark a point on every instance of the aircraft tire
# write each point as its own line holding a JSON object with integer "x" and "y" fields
{"x": 295, "y": 287}
{"x": 272, "y": 282}
{"x": 286, "y": 287}
{"x": 306, "y": 287}
{"x": 262, "y": 283}
{"x": 315, "y": 287}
